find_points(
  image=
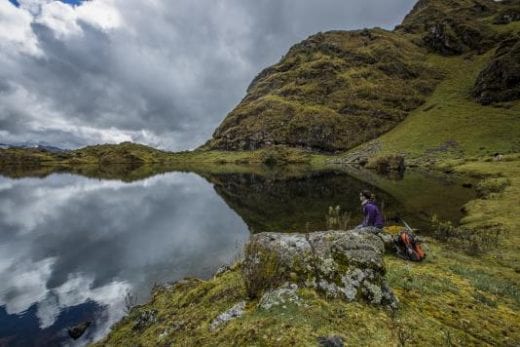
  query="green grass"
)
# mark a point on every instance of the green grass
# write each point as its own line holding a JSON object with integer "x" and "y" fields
{"x": 451, "y": 123}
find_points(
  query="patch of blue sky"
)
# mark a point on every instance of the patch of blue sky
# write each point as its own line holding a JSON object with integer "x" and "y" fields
{"x": 70, "y": 2}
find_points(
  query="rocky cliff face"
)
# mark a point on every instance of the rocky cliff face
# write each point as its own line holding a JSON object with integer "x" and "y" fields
{"x": 338, "y": 89}
{"x": 500, "y": 79}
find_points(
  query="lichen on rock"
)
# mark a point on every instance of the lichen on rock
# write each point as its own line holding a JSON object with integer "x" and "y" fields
{"x": 286, "y": 294}
{"x": 339, "y": 264}
{"x": 144, "y": 319}
{"x": 223, "y": 318}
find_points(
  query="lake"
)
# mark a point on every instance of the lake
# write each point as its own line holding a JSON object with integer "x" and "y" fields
{"x": 85, "y": 247}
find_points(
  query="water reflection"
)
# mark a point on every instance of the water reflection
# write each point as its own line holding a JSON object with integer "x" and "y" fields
{"x": 73, "y": 243}
{"x": 297, "y": 203}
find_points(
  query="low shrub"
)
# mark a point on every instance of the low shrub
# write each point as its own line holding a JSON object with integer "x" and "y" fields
{"x": 492, "y": 185}
{"x": 261, "y": 270}
{"x": 473, "y": 241}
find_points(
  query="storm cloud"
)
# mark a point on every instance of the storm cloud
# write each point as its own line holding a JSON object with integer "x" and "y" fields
{"x": 163, "y": 73}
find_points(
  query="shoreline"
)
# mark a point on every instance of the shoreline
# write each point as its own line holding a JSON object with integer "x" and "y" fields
{"x": 451, "y": 279}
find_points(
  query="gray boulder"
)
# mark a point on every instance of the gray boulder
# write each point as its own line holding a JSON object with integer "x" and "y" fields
{"x": 339, "y": 264}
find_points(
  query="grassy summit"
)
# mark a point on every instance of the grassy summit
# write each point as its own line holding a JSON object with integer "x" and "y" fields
{"x": 331, "y": 92}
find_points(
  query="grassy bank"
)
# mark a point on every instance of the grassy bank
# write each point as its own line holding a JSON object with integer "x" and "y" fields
{"x": 465, "y": 293}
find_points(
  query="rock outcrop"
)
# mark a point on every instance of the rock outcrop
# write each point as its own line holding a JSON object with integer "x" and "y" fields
{"x": 339, "y": 264}
{"x": 223, "y": 318}
{"x": 386, "y": 164}
{"x": 500, "y": 79}
{"x": 451, "y": 27}
{"x": 507, "y": 16}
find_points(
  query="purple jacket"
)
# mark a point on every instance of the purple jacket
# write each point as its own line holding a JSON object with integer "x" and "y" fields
{"x": 373, "y": 217}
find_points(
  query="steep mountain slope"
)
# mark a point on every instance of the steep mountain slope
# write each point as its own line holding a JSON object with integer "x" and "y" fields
{"x": 331, "y": 92}
{"x": 339, "y": 89}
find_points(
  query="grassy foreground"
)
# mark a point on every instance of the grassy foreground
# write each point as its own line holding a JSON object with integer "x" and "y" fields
{"x": 466, "y": 293}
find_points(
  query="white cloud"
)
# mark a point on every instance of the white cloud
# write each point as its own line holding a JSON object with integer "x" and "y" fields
{"x": 15, "y": 30}
{"x": 67, "y": 251}
{"x": 59, "y": 17}
{"x": 77, "y": 290}
{"x": 26, "y": 283}
{"x": 64, "y": 19}
{"x": 102, "y": 14}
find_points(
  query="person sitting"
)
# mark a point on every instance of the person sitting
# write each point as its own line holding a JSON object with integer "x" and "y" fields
{"x": 372, "y": 216}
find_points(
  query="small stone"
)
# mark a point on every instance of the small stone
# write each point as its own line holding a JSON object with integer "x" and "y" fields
{"x": 78, "y": 330}
{"x": 222, "y": 269}
{"x": 223, "y": 318}
{"x": 330, "y": 341}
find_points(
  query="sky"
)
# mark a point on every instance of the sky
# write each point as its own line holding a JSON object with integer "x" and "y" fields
{"x": 159, "y": 72}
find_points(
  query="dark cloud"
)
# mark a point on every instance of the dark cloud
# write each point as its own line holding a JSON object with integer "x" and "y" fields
{"x": 160, "y": 72}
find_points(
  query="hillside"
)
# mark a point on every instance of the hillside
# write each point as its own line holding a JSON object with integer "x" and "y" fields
{"x": 449, "y": 74}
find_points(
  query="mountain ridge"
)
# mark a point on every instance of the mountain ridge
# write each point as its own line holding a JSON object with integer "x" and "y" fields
{"x": 340, "y": 89}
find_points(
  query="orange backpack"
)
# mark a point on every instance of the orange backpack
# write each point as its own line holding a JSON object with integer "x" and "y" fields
{"x": 408, "y": 247}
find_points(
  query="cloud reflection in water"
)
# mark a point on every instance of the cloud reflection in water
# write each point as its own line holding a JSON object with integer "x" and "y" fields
{"x": 67, "y": 240}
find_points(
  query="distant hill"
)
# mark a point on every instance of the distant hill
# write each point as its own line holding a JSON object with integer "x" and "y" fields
{"x": 123, "y": 153}
{"x": 41, "y": 147}
{"x": 447, "y": 61}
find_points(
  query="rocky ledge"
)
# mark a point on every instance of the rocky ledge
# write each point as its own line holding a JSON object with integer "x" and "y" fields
{"x": 500, "y": 79}
{"x": 346, "y": 265}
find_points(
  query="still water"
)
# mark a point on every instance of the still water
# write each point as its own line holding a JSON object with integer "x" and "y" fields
{"x": 76, "y": 249}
